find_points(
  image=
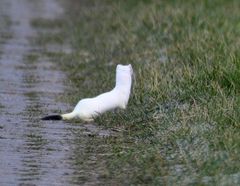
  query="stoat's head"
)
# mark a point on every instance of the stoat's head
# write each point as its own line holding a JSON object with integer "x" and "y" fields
{"x": 124, "y": 78}
{"x": 125, "y": 68}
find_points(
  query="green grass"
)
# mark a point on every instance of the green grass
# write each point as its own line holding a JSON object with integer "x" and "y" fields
{"x": 181, "y": 126}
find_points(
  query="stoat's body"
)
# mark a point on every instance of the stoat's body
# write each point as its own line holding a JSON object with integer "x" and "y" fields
{"x": 89, "y": 108}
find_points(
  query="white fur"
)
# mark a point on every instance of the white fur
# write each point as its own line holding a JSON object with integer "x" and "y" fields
{"x": 89, "y": 108}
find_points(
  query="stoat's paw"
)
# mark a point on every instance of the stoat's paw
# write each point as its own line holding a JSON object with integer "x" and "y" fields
{"x": 123, "y": 106}
{"x": 88, "y": 120}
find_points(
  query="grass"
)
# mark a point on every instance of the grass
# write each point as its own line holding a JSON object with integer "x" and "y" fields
{"x": 181, "y": 126}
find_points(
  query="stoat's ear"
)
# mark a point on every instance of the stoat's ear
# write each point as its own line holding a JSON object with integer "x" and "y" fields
{"x": 119, "y": 66}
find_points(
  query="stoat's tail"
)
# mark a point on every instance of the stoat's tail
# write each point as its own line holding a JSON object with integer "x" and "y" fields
{"x": 53, "y": 117}
{"x": 60, "y": 117}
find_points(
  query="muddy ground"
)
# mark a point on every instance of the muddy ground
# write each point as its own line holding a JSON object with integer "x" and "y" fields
{"x": 33, "y": 152}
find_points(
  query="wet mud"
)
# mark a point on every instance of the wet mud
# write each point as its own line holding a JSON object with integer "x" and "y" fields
{"x": 35, "y": 152}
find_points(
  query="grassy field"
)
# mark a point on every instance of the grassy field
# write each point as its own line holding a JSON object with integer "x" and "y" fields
{"x": 182, "y": 124}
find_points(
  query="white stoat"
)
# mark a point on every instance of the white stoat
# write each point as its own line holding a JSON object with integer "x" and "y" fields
{"x": 89, "y": 108}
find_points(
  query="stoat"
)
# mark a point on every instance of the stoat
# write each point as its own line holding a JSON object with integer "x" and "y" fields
{"x": 89, "y": 108}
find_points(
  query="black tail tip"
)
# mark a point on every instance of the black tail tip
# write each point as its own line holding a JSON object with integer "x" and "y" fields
{"x": 52, "y": 117}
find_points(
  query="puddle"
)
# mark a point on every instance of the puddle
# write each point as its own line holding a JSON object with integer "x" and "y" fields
{"x": 31, "y": 151}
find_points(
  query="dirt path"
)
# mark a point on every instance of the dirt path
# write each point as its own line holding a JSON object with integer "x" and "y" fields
{"x": 30, "y": 151}
{"x": 33, "y": 152}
